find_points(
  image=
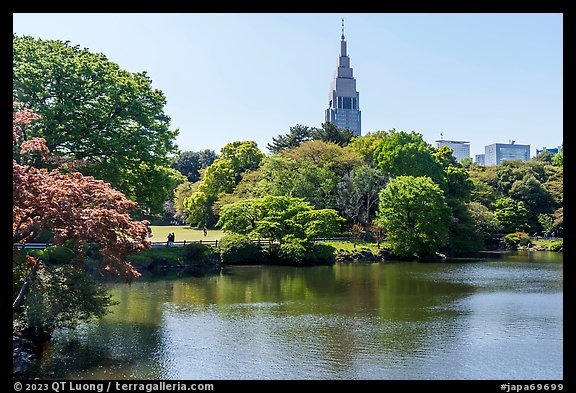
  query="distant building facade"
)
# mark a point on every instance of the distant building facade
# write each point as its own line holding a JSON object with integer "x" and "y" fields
{"x": 495, "y": 153}
{"x": 552, "y": 151}
{"x": 343, "y": 99}
{"x": 460, "y": 149}
{"x": 479, "y": 159}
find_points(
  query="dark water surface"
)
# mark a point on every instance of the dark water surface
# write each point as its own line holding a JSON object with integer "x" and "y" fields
{"x": 488, "y": 318}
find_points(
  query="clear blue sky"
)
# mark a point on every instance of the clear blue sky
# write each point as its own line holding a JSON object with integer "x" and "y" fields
{"x": 478, "y": 77}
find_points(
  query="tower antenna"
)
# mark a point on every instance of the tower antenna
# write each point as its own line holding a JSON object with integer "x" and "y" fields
{"x": 342, "y": 29}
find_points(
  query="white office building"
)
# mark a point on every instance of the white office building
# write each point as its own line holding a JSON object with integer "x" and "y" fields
{"x": 460, "y": 149}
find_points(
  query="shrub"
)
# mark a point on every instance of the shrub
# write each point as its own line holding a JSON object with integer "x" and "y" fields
{"x": 556, "y": 245}
{"x": 321, "y": 254}
{"x": 54, "y": 254}
{"x": 156, "y": 258}
{"x": 516, "y": 239}
{"x": 298, "y": 252}
{"x": 293, "y": 251}
{"x": 197, "y": 253}
{"x": 239, "y": 249}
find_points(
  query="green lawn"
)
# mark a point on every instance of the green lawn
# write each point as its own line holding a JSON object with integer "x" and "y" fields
{"x": 348, "y": 245}
{"x": 181, "y": 233}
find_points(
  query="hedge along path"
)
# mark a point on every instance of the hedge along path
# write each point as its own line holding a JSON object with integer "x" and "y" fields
{"x": 181, "y": 233}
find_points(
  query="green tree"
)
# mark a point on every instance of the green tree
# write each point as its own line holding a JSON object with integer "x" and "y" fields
{"x": 547, "y": 223}
{"x": 559, "y": 219}
{"x": 484, "y": 179}
{"x": 243, "y": 156}
{"x": 545, "y": 157}
{"x": 182, "y": 191}
{"x": 328, "y": 132}
{"x": 414, "y": 215}
{"x": 463, "y": 237}
{"x": 325, "y": 154}
{"x": 558, "y": 158}
{"x": 458, "y": 183}
{"x": 93, "y": 111}
{"x": 537, "y": 200}
{"x": 512, "y": 214}
{"x": 407, "y": 154}
{"x": 279, "y": 218}
{"x": 467, "y": 162}
{"x": 189, "y": 163}
{"x": 486, "y": 224}
{"x": 366, "y": 144}
{"x": 198, "y": 207}
{"x": 358, "y": 194}
{"x": 219, "y": 179}
{"x": 245, "y": 189}
{"x": 297, "y": 135}
{"x": 311, "y": 171}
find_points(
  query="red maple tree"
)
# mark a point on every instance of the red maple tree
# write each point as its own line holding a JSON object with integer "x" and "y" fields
{"x": 77, "y": 209}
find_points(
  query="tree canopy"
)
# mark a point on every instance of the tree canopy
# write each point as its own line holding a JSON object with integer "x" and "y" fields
{"x": 328, "y": 132}
{"x": 407, "y": 154}
{"x": 94, "y": 111}
{"x": 278, "y": 218}
{"x": 221, "y": 177}
{"x": 414, "y": 215}
{"x": 189, "y": 163}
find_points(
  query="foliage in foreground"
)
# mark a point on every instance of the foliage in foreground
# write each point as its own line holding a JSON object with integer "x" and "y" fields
{"x": 62, "y": 297}
{"x": 78, "y": 210}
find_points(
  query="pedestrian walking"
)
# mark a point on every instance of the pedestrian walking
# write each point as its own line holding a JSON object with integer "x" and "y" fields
{"x": 205, "y": 230}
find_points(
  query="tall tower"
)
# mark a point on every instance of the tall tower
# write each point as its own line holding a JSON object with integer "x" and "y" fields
{"x": 343, "y": 99}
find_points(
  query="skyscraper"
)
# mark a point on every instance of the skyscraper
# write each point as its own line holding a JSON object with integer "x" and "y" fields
{"x": 343, "y": 99}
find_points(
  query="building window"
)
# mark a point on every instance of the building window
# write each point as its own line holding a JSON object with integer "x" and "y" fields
{"x": 347, "y": 102}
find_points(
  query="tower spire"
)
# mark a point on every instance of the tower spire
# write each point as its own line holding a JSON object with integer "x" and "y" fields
{"x": 343, "y": 99}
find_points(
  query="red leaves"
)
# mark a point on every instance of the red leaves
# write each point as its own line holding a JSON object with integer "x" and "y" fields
{"x": 21, "y": 116}
{"x": 75, "y": 207}
{"x": 35, "y": 145}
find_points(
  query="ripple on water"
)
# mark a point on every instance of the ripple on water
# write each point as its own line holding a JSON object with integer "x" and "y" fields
{"x": 407, "y": 321}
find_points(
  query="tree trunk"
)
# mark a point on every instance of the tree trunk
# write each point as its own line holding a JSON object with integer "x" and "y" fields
{"x": 19, "y": 301}
{"x": 367, "y": 224}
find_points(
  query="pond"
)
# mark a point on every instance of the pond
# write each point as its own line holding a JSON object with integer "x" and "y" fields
{"x": 495, "y": 317}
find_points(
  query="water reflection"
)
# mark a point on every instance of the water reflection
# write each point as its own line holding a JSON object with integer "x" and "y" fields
{"x": 465, "y": 320}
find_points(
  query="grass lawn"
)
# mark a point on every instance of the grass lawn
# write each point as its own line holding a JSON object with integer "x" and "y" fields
{"x": 348, "y": 245}
{"x": 181, "y": 233}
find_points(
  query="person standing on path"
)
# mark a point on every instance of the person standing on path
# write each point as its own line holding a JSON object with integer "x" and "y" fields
{"x": 170, "y": 242}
